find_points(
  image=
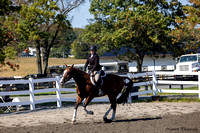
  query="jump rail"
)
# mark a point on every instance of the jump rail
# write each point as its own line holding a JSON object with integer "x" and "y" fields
{"x": 58, "y": 97}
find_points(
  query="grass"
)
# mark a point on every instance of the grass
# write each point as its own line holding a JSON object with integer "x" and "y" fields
{"x": 55, "y": 104}
{"x": 28, "y": 65}
{"x": 165, "y": 99}
{"x": 187, "y": 88}
{"x": 43, "y": 94}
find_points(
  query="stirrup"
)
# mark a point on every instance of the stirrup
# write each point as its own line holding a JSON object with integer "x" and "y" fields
{"x": 101, "y": 93}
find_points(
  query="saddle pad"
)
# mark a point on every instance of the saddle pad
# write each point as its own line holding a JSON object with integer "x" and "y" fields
{"x": 102, "y": 74}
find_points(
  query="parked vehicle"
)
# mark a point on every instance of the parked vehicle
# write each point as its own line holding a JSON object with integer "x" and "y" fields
{"x": 26, "y": 86}
{"x": 115, "y": 67}
{"x": 188, "y": 63}
{"x": 53, "y": 71}
{"x": 112, "y": 67}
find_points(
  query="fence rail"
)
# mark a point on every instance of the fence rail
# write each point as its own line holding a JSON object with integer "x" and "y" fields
{"x": 156, "y": 82}
{"x": 58, "y": 97}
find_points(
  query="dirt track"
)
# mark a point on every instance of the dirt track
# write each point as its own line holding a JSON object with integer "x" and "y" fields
{"x": 138, "y": 117}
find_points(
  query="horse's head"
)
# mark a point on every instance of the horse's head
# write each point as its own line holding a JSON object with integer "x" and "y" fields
{"x": 67, "y": 74}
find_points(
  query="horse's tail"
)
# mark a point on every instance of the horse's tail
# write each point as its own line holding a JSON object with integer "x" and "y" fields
{"x": 124, "y": 97}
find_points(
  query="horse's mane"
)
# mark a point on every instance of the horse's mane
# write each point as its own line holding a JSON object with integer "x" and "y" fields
{"x": 82, "y": 73}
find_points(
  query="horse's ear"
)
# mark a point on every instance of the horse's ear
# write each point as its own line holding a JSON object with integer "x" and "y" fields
{"x": 66, "y": 65}
{"x": 72, "y": 65}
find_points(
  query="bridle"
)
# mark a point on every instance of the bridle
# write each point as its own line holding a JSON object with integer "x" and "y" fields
{"x": 66, "y": 77}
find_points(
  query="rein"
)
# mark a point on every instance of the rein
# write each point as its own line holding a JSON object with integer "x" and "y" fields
{"x": 79, "y": 75}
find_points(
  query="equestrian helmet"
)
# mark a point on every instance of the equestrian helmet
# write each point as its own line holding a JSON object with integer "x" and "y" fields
{"x": 93, "y": 48}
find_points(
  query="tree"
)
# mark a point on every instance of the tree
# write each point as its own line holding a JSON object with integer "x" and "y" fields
{"x": 187, "y": 32}
{"x": 80, "y": 50}
{"x": 41, "y": 22}
{"x": 79, "y": 47}
{"x": 6, "y": 36}
{"x": 62, "y": 46}
{"x": 141, "y": 27}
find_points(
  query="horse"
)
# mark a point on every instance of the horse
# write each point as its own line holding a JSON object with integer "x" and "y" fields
{"x": 112, "y": 86}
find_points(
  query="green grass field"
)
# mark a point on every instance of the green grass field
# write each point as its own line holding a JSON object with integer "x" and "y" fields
{"x": 28, "y": 65}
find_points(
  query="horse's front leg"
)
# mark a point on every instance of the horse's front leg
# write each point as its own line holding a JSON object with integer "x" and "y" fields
{"x": 87, "y": 101}
{"x": 79, "y": 100}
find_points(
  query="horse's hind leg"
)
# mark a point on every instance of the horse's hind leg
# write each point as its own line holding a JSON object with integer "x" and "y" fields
{"x": 113, "y": 106}
{"x": 106, "y": 114}
{"x": 113, "y": 114}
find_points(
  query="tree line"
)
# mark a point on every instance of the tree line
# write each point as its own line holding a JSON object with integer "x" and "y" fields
{"x": 39, "y": 23}
{"x": 142, "y": 27}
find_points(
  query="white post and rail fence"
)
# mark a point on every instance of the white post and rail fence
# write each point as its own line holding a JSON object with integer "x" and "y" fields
{"x": 58, "y": 89}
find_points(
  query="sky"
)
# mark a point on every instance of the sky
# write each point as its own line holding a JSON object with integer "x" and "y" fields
{"x": 82, "y": 14}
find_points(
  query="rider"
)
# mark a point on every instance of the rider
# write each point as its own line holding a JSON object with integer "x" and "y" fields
{"x": 94, "y": 66}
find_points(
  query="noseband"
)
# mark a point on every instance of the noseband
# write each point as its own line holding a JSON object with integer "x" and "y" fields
{"x": 64, "y": 79}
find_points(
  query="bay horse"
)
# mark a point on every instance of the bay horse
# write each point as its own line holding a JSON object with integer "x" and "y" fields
{"x": 112, "y": 86}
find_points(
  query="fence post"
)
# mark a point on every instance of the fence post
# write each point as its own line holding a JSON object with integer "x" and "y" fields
{"x": 199, "y": 82}
{"x": 32, "y": 97}
{"x": 58, "y": 92}
{"x": 129, "y": 97}
{"x": 154, "y": 83}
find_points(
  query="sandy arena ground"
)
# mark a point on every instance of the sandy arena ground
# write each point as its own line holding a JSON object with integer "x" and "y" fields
{"x": 136, "y": 117}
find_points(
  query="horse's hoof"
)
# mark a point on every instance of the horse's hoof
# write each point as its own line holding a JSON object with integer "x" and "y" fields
{"x": 91, "y": 113}
{"x": 73, "y": 122}
{"x": 107, "y": 120}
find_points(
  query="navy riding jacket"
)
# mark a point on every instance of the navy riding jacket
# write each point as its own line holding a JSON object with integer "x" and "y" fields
{"x": 93, "y": 63}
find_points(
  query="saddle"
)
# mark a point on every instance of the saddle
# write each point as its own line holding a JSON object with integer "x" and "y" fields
{"x": 99, "y": 82}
